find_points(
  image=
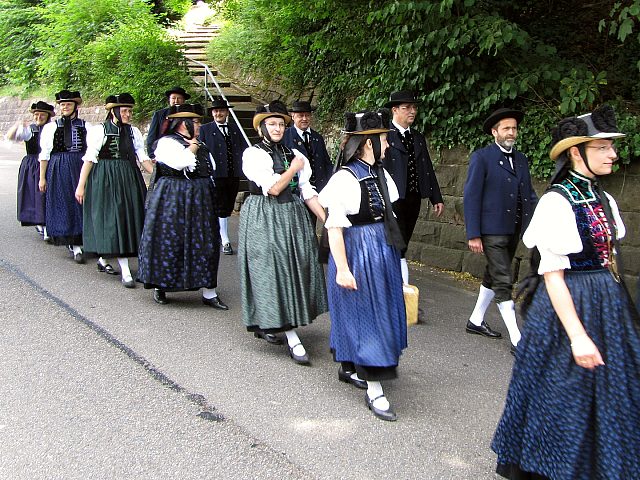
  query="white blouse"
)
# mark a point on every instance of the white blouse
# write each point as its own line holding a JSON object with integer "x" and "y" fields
{"x": 174, "y": 154}
{"x": 554, "y": 231}
{"x": 46, "y": 138}
{"x": 22, "y": 134}
{"x": 257, "y": 166}
{"x": 342, "y": 195}
{"x": 96, "y": 140}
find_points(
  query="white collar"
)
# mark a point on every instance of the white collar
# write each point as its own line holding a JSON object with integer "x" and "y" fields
{"x": 301, "y": 132}
{"x": 400, "y": 129}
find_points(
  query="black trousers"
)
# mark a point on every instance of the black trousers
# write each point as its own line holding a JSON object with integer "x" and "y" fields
{"x": 407, "y": 211}
{"x": 499, "y": 251}
{"x": 226, "y": 193}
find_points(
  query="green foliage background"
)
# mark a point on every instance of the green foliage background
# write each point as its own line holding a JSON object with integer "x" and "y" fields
{"x": 464, "y": 58}
{"x": 99, "y": 47}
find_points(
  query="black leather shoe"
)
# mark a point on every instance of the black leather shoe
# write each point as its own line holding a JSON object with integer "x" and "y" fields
{"x": 484, "y": 329}
{"x": 215, "y": 302}
{"x": 159, "y": 296}
{"x": 106, "y": 269}
{"x": 346, "y": 378}
{"x": 300, "y": 359}
{"x": 388, "y": 415}
{"x": 130, "y": 283}
{"x": 226, "y": 249}
{"x": 78, "y": 258}
{"x": 269, "y": 337}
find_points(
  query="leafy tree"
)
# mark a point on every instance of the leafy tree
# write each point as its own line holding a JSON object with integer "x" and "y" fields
{"x": 463, "y": 57}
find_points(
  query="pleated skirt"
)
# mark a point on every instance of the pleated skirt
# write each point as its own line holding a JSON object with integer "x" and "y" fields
{"x": 368, "y": 325}
{"x": 560, "y": 420}
{"x": 113, "y": 214}
{"x": 63, "y": 212}
{"x": 31, "y": 201}
{"x": 281, "y": 280}
{"x": 180, "y": 244}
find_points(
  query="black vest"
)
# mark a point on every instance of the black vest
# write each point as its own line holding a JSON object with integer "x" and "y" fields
{"x": 203, "y": 169}
{"x": 371, "y": 201}
{"x": 78, "y": 133}
{"x": 282, "y": 157}
{"x": 33, "y": 144}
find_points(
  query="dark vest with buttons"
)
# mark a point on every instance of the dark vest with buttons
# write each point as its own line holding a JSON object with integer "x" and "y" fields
{"x": 282, "y": 157}
{"x": 111, "y": 147}
{"x": 595, "y": 249}
{"x": 371, "y": 202}
{"x": 203, "y": 168}
{"x": 33, "y": 144}
{"x": 412, "y": 166}
{"x": 78, "y": 133}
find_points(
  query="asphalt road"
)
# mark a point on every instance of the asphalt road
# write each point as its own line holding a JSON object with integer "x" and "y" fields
{"x": 98, "y": 381}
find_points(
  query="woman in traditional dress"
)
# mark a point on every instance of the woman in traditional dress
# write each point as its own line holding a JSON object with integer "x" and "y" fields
{"x": 281, "y": 280}
{"x": 112, "y": 189}
{"x": 31, "y": 201}
{"x": 366, "y": 303}
{"x": 180, "y": 246}
{"x": 62, "y": 145}
{"x": 573, "y": 407}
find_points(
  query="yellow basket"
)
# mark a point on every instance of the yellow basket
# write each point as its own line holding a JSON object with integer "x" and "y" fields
{"x": 411, "y": 295}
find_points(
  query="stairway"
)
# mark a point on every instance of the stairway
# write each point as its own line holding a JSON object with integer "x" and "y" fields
{"x": 194, "y": 43}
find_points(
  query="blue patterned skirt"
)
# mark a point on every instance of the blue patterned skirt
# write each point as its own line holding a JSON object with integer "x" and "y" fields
{"x": 63, "y": 212}
{"x": 368, "y": 325}
{"x": 31, "y": 201}
{"x": 561, "y": 420}
{"x": 281, "y": 281}
{"x": 180, "y": 244}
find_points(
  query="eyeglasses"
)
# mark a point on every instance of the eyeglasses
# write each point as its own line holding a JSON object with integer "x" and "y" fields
{"x": 275, "y": 124}
{"x": 604, "y": 148}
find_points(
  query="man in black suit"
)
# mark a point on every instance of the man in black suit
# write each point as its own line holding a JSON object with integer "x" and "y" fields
{"x": 224, "y": 140}
{"x": 309, "y": 142}
{"x": 158, "y": 126}
{"x": 408, "y": 162}
{"x": 499, "y": 200}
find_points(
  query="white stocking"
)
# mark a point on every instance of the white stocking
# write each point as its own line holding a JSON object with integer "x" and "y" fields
{"x": 484, "y": 300}
{"x": 224, "y": 229}
{"x": 294, "y": 342}
{"x": 374, "y": 389}
{"x": 405, "y": 271}
{"x": 124, "y": 268}
{"x": 508, "y": 312}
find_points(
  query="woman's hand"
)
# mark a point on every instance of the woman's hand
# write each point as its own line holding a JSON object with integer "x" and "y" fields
{"x": 297, "y": 163}
{"x": 42, "y": 185}
{"x": 585, "y": 352}
{"x": 80, "y": 194}
{"x": 345, "y": 279}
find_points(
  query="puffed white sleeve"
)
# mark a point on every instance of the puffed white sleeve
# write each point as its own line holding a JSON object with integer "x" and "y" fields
{"x": 304, "y": 175}
{"x": 257, "y": 166}
{"x": 392, "y": 188}
{"x": 554, "y": 231}
{"x": 138, "y": 145}
{"x": 95, "y": 141}
{"x": 23, "y": 134}
{"x": 174, "y": 155}
{"x": 46, "y": 141}
{"x": 341, "y": 196}
{"x": 621, "y": 229}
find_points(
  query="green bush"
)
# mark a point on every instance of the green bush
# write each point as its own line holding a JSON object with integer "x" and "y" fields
{"x": 464, "y": 58}
{"x": 18, "y": 40}
{"x": 139, "y": 60}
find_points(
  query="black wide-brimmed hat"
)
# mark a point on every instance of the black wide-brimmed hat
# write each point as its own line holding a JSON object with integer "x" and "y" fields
{"x": 403, "y": 96}
{"x": 68, "y": 96}
{"x": 300, "y": 106}
{"x": 363, "y": 123}
{"x": 219, "y": 102}
{"x": 186, "y": 110}
{"x": 43, "y": 107}
{"x": 119, "y": 100}
{"x": 272, "y": 109}
{"x": 501, "y": 114}
{"x": 179, "y": 91}
{"x": 599, "y": 124}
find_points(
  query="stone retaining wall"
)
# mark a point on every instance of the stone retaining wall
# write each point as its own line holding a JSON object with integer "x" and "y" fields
{"x": 441, "y": 242}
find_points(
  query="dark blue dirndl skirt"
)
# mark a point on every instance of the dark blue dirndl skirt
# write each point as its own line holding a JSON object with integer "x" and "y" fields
{"x": 368, "y": 325}
{"x": 63, "y": 212}
{"x": 180, "y": 244}
{"x": 561, "y": 420}
{"x": 31, "y": 201}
